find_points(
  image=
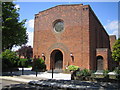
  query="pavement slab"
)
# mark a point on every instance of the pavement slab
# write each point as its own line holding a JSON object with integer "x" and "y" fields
{"x": 31, "y": 76}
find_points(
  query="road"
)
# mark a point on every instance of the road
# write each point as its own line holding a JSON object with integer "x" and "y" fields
{"x": 7, "y": 82}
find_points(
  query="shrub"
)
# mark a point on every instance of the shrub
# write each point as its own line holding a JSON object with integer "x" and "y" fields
{"x": 66, "y": 71}
{"x": 23, "y": 62}
{"x": 9, "y": 59}
{"x": 84, "y": 72}
{"x": 73, "y": 67}
{"x": 117, "y": 70}
{"x": 105, "y": 73}
{"x": 84, "y": 75}
{"x": 40, "y": 64}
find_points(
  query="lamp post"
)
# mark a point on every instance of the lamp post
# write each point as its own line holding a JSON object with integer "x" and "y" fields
{"x": 52, "y": 69}
{"x": 71, "y": 54}
{"x": 43, "y": 55}
{"x": 36, "y": 70}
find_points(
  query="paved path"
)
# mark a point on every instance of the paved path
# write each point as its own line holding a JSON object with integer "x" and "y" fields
{"x": 59, "y": 77}
{"x": 31, "y": 76}
{"x": 8, "y": 82}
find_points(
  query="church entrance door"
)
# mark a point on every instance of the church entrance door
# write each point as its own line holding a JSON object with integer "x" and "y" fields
{"x": 99, "y": 63}
{"x": 57, "y": 59}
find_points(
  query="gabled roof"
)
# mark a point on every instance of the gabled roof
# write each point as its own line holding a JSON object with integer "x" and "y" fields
{"x": 61, "y": 6}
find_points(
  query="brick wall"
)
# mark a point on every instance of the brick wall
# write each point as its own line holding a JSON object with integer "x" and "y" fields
{"x": 82, "y": 35}
{"x": 112, "y": 41}
{"x": 98, "y": 39}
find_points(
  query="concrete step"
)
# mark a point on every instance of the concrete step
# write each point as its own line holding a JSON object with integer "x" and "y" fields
{"x": 55, "y": 71}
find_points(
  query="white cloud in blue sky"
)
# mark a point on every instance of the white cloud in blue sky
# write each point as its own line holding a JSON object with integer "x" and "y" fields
{"x": 30, "y": 28}
{"x": 30, "y": 23}
{"x": 112, "y": 27}
{"x": 17, "y": 6}
{"x": 30, "y": 39}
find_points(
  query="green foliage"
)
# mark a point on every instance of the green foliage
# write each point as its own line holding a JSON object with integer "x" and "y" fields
{"x": 66, "y": 70}
{"x": 116, "y": 51}
{"x": 73, "y": 67}
{"x": 0, "y": 56}
{"x": 9, "y": 59}
{"x": 84, "y": 72}
{"x": 13, "y": 30}
{"x": 23, "y": 62}
{"x": 40, "y": 64}
{"x": 84, "y": 75}
{"x": 105, "y": 72}
{"x": 117, "y": 70}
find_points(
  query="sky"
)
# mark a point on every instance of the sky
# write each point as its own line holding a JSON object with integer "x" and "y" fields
{"x": 107, "y": 13}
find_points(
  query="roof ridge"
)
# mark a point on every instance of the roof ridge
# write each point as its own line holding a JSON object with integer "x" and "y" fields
{"x": 61, "y": 5}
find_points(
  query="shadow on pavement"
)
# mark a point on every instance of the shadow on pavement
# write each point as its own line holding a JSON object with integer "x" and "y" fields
{"x": 25, "y": 71}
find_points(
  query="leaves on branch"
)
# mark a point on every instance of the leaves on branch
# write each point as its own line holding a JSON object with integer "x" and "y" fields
{"x": 13, "y": 30}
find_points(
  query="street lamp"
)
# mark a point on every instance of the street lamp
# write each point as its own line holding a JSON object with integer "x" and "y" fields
{"x": 43, "y": 55}
{"x": 71, "y": 54}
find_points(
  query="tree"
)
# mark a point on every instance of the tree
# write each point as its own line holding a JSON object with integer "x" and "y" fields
{"x": 116, "y": 51}
{"x": 26, "y": 51}
{"x": 13, "y": 30}
{"x": 9, "y": 59}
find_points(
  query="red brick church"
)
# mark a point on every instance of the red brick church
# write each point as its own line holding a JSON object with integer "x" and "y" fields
{"x": 72, "y": 35}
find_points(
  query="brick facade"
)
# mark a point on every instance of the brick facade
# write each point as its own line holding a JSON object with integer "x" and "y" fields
{"x": 112, "y": 40}
{"x": 82, "y": 36}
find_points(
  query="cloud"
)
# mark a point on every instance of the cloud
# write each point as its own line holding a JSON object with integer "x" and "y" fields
{"x": 112, "y": 27}
{"x": 30, "y": 24}
{"x": 30, "y": 38}
{"x": 17, "y": 6}
{"x": 115, "y": 33}
{"x": 30, "y": 41}
{"x": 30, "y": 31}
{"x": 15, "y": 48}
{"x": 30, "y": 28}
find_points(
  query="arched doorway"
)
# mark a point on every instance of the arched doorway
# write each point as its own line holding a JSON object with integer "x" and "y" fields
{"x": 56, "y": 59}
{"x": 99, "y": 63}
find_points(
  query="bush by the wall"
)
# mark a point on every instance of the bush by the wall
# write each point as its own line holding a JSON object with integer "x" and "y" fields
{"x": 39, "y": 64}
{"x": 84, "y": 72}
{"x": 73, "y": 67}
{"x": 83, "y": 75}
{"x": 117, "y": 70}
{"x": 105, "y": 73}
